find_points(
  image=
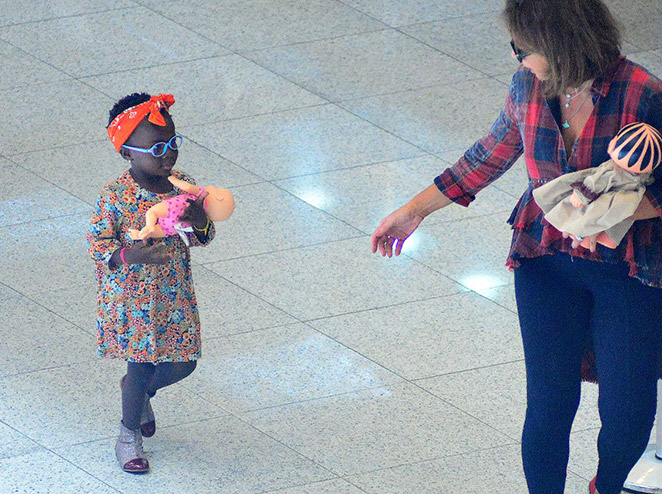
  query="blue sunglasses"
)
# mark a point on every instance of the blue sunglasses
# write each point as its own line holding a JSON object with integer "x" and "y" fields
{"x": 160, "y": 148}
{"x": 519, "y": 54}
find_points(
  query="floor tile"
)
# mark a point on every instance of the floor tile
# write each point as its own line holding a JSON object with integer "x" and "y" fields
{"x": 363, "y": 431}
{"x": 363, "y": 65}
{"x": 35, "y": 198}
{"x": 94, "y": 43}
{"x": 502, "y": 295}
{"x": 416, "y": 11}
{"x": 284, "y": 279}
{"x": 498, "y": 397}
{"x": 280, "y": 366}
{"x": 266, "y": 23}
{"x": 446, "y": 334}
{"x": 471, "y": 251}
{"x": 267, "y": 219}
{"x": 338, "y": 486}
{"x": 223, "y": 88}
{"x": 46, "y": 244}
{"x": 21, "y": 11}
{"x": 464, "y": 39}
{"x": 226, "y": 309}
{"x": 21, "y": 69}
{"x": 436, "y": 119}
{"x": 362, "y": 196}
{"x": 493, "y": 470}
{"x": 640, "y": 20}
{"x": 83, "y": 121}
{"x": 229, "y": 457}
{"x": 40, "y": 405}
{"x": 47, "y": 473}
{"x": 76, "y": 304}
{"x": 301, "y": 142}
{"x": 36, "y": 338}
{"x": 13, "y": 443}
{"x": 651, "y": 59}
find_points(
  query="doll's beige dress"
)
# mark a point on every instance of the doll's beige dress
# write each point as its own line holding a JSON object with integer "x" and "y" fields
{"x": 609, "y": 195}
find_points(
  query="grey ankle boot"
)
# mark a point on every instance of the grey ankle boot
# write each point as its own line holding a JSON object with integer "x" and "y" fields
{"x": 129, "y": 451}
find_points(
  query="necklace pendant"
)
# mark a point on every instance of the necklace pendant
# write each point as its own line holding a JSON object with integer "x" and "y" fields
{"x": 565, "y": 124}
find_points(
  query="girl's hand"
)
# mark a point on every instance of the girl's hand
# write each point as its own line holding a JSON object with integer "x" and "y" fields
{"x": 195, "y": 213}
{"x": 394, "y": 230}
{"x": 145, "y": 252}
{"x": 577, "y": 241}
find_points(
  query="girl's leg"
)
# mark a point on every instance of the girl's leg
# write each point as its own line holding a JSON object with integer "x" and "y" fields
{"x": 168, "y": 373}
{"x": 626, "y": 337}
{"x": 554, "y": 319}
{"x": 136, "y": 382}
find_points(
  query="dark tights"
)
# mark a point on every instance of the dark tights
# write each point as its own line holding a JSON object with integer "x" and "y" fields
{"x": 147, "y": 379}
{"x": 563, "y": 304}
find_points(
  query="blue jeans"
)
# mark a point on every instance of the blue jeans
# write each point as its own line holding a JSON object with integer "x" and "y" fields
{"x": 566, "y": 304}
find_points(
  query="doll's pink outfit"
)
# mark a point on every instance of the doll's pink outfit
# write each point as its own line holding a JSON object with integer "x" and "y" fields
{"x": 176, "y": 206}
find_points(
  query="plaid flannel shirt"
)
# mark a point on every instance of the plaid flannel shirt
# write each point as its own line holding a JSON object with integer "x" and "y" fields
{"x": 628, "y": 93}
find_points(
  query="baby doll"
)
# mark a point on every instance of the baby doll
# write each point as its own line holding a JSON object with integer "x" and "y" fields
{"x": 603, "y": 199}
{"x": 162, "y": 219}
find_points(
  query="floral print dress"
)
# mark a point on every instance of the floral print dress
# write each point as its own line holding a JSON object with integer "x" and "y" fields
{"x": 146, "y": 312}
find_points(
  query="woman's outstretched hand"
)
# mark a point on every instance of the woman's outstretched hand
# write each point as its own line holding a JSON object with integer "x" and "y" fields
{"x": 393, "y": 230}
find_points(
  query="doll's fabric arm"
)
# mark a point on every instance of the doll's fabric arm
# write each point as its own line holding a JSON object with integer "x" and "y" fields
{"x": 102, "y": 236}
{"x": 489, "y": 158}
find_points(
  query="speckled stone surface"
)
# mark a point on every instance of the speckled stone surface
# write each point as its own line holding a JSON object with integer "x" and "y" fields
{"x": 279, "y": 366}
{"x": 363, "y": 65}
{"x": 363, "y": 431}
{"x": 301, "y": 142}
{"x": 283, "y": 279}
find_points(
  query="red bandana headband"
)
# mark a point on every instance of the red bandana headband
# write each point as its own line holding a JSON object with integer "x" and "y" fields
{"x": 126, "y": 122}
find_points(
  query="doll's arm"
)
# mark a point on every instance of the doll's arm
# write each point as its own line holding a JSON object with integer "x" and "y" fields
{"x": 185, "y": 186}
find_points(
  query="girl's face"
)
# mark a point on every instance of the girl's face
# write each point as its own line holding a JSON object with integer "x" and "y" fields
{"x": 145, "y": 136}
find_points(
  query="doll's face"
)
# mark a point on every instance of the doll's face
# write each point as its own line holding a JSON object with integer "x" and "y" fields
{"x": 219, "y": 203}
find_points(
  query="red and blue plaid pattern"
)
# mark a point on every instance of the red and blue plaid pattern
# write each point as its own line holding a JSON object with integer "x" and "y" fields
{"x": 629, "y": 93}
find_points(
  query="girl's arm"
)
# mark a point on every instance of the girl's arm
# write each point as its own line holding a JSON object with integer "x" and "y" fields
{"x": 102, "y": 235}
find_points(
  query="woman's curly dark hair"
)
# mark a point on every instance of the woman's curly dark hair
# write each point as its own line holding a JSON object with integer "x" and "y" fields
{"x": 125, "y": 103}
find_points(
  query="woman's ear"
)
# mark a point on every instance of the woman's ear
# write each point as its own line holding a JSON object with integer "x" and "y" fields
{"x": 126, "y": 154}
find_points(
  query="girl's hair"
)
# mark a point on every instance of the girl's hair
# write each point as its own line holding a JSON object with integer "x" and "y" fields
{"x": 580, "y": 39}
{"x": 125, "y": 103}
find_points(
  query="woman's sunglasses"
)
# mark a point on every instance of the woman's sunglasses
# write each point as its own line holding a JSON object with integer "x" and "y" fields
{"x": 519, "y": 54}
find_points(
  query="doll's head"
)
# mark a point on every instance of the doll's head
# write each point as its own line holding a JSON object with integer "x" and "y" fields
{"x": 637, "y": 148}
{"x": 142, "y": 132}
{"x": 219, "y": 203}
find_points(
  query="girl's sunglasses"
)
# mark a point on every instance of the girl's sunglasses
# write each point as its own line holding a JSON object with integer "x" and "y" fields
{"x": 519, "y": 54}
{"x": 160, "y": 148}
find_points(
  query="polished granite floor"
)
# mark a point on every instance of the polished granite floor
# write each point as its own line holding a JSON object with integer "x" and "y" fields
{"x": 326, "y": 369}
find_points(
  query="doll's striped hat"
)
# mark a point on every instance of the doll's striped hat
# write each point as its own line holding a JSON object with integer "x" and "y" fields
{"x": 637, "y": 148}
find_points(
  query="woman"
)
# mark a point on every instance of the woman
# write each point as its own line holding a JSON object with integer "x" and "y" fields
{"x": 571, "y": 95}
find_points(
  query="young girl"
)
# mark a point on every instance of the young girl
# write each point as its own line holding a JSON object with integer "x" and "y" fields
{"x": 147, "y": 311}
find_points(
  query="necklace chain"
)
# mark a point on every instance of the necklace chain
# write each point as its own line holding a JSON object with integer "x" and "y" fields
{"x": 566, "y": 124}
